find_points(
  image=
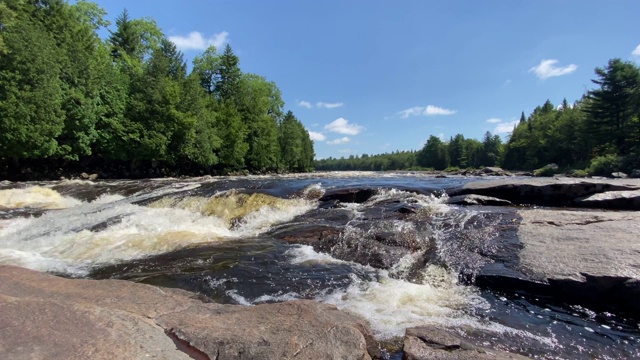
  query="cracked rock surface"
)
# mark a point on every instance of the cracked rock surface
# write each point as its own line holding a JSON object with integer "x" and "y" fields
{"x": 48, "y": 317}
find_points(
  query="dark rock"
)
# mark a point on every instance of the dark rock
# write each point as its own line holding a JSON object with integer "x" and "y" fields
{"x": 544, "y": 191}
{"x": 635, "y": 174}
{"x": 426, "y": 343}
{"x": 473, "y": 199}
{"x": 55, "y": 318}
{"x": 348, "y": 195}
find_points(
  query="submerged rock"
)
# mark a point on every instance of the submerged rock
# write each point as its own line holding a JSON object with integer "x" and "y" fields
{"x": 55, "y": 318}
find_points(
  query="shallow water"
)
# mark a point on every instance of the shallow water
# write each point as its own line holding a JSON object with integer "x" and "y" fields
{"x": 219, "y": 237}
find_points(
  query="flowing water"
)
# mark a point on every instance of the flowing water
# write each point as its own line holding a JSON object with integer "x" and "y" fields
{"x": 399, "y": 257}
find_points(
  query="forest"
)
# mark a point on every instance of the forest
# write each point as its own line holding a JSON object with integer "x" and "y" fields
{"x": 130, "y": 103}
{"x": 597, "y": 135}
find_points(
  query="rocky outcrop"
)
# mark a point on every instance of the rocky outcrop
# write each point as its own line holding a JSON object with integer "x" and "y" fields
{"x": 473, "y": 199}
{"x": 426, "y": 343}
{"x": 590, "y": 258}
{"x": 611, "y": 200}
{"x": 547, "y": 191}
{"x": 47, "y": 317}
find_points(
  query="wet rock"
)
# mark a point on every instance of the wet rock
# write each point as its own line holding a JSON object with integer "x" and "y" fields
{"x": 589, "y": 258}
{"x": 473, "y": 199}
{"x": 56, "y": 318}
{"x": 619, "y": 175}
{"x": 348, "y": 195}
{"x": 424, "y": 342}
{"x": 493, "y": 171}
{"x": 625, "y": 200}
{"x": 545, "y": 191}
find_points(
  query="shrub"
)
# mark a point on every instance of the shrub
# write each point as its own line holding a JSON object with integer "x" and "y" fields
{"x": 452, "y": 169}
{"x": 547, "y": 170}
{"x": 605, "y": 165}
{"x": 579, "y": 173}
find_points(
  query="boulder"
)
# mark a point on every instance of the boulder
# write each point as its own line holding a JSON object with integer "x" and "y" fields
{"x": 544, "y": 191}
{"x": 56, "y": 318}
{"x": 619, "y": 175}
{"x": 635, "y": 174}
{"x": 426, "y": 343}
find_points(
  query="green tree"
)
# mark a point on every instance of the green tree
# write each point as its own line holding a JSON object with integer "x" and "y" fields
{"x": 31, "y": 94}
{"x": 613, "y": 107}
{"x": 227, "y": 86}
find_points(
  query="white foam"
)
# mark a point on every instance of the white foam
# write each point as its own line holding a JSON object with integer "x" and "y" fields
{"x": 35, "y": 197}
{"x": 63, "y": 240}
{"x": 304, "y": 254}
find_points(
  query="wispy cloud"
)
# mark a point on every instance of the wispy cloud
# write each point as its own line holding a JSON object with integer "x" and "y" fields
{"x": 325, "y": 105}
{"x": 547, "y": 68}
{"x": 305, "y": 104}
{"x": 429, "y": 110}
{"x": 505, "y": 127}
{"x": 316, "y": 136}
{"x": 636, "y": 51}
{"x": 416, "y": 110}
{"x": 435, "y": 110}
{"x": 345, "y": 151}
{"x": 196, "y": 41}
{"x": 342, "y": 126}
{"x": 494, "y": 120}
{"x": 343, "y": 140}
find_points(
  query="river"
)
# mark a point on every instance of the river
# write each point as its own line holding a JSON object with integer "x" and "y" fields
{"x": 398, "y": 257}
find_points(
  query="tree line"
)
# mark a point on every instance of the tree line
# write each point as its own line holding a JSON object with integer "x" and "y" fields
{"x": 69, "y": 98}
{"x": 597, "y": 135}
{"x": 436, "y": 154}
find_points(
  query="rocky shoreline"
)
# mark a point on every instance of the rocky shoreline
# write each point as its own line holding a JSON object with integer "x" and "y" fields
{"x": 577, "y": 254}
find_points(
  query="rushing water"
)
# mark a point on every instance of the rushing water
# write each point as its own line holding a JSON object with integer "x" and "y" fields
{"x": 399, "y": 258}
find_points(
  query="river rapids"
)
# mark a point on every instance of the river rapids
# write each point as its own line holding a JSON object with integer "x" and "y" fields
{"x": 384, "y": 246}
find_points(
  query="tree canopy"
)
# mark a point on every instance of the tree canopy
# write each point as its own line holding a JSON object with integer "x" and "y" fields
{"x": 70, "y": 97}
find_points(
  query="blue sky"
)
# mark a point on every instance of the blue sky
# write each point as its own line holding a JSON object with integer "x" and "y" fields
{"x": 378, "y": 76}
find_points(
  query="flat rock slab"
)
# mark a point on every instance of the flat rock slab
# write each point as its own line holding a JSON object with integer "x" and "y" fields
{"x": 562, "y": 244}
{"x": 46, "y": 317}
{"x": 545, "y": 191}
{"x": 589, "y": 258}
{"x": 426, "y": 343}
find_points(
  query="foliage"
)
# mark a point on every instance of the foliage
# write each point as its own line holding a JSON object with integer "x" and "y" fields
{"x": 547, "y": 170}
{"x": 605, "y": 165}
{"x": 68, "y": 96}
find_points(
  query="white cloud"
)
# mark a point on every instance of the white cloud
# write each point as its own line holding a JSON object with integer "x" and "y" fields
{"x": 316, "y": 136}
{"x": 429, "y": 110}
{"x": 196, "y": 41}
{"x": 305, "y": 104}
{"x": 342, "y": 126}
{"x": 345, "y": 151}
{"x": 494, "y": 120}
{"x": 505, "y": 127}
{"x": 636, "y": 51}
{"x": 435, "y": 110}
{"x": 343, "y": 140}
{"x": 440, "y": 136}
{"x": 547, "y": 68}
{"x": 321, "y": 104}
{"x": 416, "y": 110}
